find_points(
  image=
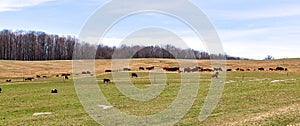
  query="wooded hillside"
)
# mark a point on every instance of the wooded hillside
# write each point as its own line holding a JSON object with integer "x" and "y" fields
{"x": 33, "y": 45}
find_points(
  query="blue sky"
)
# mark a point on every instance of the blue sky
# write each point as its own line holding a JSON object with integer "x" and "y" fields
{"x": 248, "y": 28}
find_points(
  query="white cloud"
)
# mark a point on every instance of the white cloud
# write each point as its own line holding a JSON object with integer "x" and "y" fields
{"x": 257, "y": 43}
{"x": 258, "y": 13}
{"x": 16, "y": 5}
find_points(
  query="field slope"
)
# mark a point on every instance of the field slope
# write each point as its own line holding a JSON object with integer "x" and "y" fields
{"x": 249, "y": 97}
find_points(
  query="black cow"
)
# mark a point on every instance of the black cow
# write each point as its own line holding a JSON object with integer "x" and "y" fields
{"x": 66, "y": 77}
{"x": 150, "y": 68}
{"x": 45, "y": 77}
{"x": 134, "y": 75}
{"x": 261, "y": 69}
{"x": 29, "y": 78}
{"x": 105, "y": 80}
{"x": 88, "y": 72}
{"x": 141, "y": 68}
{"x": 229, "y": 70}
{"x": 286, "y": 69}
{"x": 279, "y": 68}
{"x": 84, "y": 72}
{"x": 8, "y": 80}
{"x": 0, "y": 90}
{"x": 38, "y": 76}
{"x": 106, "y": 71}
{"x": 172, "y": 69}
{"x": 54, "y": 91}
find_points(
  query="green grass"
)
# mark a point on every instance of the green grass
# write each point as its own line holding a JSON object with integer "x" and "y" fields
{"x": 246, "y": 95}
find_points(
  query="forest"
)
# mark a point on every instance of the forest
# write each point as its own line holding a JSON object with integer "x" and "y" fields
{"x": 36, "y": 45}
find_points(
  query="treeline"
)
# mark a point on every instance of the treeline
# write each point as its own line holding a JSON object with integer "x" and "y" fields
{"x": 33, "y": 45}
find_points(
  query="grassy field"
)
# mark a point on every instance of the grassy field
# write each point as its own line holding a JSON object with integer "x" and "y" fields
{"x": 249, "y": 98}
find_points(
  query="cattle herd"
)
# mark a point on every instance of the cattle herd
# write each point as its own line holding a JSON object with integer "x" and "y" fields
{"x": 170, "y": 69}
{"x": 260, "y": 69}
{"x": 63, "y": 75}
{"x": 195, "y": 69}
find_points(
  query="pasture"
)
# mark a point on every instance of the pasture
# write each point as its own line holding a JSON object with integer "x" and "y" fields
{"x": 249, "y": 97}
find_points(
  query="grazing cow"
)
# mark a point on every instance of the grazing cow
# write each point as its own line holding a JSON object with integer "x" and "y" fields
{"x": 218, "y": 69}
{"x": 242, "y": 69}
{"x": 38, "y": 76}
{"x": 279, "y": 68}
{"x": 141, "y": 68}
{"x": 54, "y": 91}
{"x": 201, "y": 69}
{"x": 88, "y": 72}
{"x": 106, "y": 71}
{"x": 207, "y": 69}
{"x": 150, "y": 68}
{"x": 57, "y": 75}
{"x": 66, "y": 77}
{"x": 0, "y": 90}
{"x": 229, "y": 70}
{"x": 271, "y": 69}
{"x": 248, "y": 69}
{"x": 105, "y": 80}
{"x": 126, "y": 69}
{"x": 29, "y": 78}
{"x": 8, "y": 80}
{"x": 196, "y": 69}
{"x": 261, "y": 69}
{"x": 45, "y": 77}
{"x": 187, "y": 69}
{"x": 172, "y": 69}
{"x": 83, "y": 72}
{"x": 134, "y": 75}
{"x": 215, "y": 75}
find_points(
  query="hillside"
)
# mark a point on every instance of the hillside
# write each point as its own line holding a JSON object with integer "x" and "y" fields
{"x": 12, "y": 69}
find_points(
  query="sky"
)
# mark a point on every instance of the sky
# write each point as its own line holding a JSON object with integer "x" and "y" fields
{"x": 249, "y": 28}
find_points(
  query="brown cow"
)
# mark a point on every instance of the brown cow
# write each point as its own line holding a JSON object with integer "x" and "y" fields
{"x": 271, "y": 69}
{"x": 215, "y": 75}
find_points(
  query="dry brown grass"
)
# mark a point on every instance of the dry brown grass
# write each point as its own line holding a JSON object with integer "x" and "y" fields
{"x": 19, "y": 69}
